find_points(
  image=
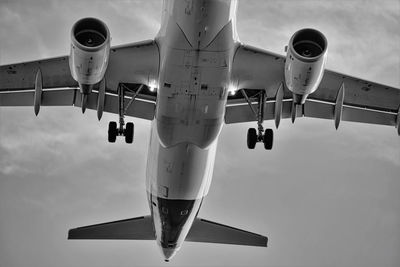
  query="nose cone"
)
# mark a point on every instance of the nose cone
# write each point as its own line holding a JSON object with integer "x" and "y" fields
{"x": 168, "y": 253}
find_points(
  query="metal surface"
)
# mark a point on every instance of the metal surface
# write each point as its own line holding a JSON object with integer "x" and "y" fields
{"x": 38, "y": 92}
{"x": 101, "y": 99}
{"x": 339, "y": 106}
{"x": 278, "y": 105}
{"x": 260, "y": 114}
{"x": 248, "y": 102}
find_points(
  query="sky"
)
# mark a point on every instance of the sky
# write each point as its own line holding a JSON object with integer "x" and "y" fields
{"x": 323, "y": 197}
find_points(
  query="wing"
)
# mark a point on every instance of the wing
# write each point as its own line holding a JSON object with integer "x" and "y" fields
{"x": 339, "y": 96}
{"x": 131, "y": 66}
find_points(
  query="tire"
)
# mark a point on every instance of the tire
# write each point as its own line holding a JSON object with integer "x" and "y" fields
{"x": 112, "y": 131}
{"x": 129, "y": 132}
{"x": 252, "y": 138}
{"x": 268, "y": 139}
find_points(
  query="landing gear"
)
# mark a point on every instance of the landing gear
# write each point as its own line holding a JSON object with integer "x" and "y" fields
{"x": 129, "y": 130}
{"x": 254, "y": 136}
{"x": 114, "y": 131}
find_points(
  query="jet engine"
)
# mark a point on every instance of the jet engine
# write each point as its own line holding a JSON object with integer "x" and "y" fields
{"x": 305, "y": 63}
{"x": 90, "y": 49}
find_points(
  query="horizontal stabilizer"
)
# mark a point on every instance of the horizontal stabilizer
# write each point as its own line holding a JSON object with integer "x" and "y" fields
{"x": 211, "y": 232}
{"x": 140, "y": 228}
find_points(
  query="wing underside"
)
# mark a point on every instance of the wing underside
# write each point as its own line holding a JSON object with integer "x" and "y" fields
{"x": 143, "y": 107}
{"x": 241, "y": 112}
{"x": 339, "y": 97}
{"x": 49, "y": 82}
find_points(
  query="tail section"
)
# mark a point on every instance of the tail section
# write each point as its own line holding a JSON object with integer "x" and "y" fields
{"x": 141, "y": 228}
{"x": 211, "y": 232}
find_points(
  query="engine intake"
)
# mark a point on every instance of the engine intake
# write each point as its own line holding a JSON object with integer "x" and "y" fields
{"x": 305, "y": 63}
{"x": 90, "y": 49}
{"x": 309, "y": 43}
{"x": 90, "y": 32}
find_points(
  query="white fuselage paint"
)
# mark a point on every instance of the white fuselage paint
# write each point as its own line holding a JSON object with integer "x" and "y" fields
{"x": 197, "y": 41}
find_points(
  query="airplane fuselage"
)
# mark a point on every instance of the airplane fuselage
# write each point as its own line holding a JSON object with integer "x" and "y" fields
{"x": 197, "y": 42}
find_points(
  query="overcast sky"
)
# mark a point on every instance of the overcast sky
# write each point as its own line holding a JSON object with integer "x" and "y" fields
{"x": 323, "y": 197}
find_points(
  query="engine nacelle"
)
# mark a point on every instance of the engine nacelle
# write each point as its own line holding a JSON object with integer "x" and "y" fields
{"x": 90, "y": 49}
{"x": 305, "y": 63}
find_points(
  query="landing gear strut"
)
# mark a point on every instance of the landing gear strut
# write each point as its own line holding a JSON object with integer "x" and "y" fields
{"x": 255, "y": 136}
{"x": 128, "y": 131}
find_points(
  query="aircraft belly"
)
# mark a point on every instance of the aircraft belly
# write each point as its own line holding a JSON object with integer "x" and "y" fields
{"x": 196, "y": 51}
{"x": 193, "y": 80}
{"x": 192, "y": 97}
{"x": 189, "y": 118}
{"x": 200, "y": 21}
{"x": 183, "y": 171}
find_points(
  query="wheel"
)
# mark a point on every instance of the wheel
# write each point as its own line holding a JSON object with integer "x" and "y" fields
{"x": 251, "y": 138}
{"x": 268, "y": 139}
{"x": 129, "y": 132}
{"x": 112, "y": 131}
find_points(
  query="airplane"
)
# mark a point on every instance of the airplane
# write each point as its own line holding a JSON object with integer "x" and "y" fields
{"x": 193, "y": 78}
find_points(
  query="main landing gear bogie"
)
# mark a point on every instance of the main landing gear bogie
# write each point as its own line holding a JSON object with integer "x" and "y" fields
{"x": 114, "y": 131}
{"x": 253, "y": 138}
